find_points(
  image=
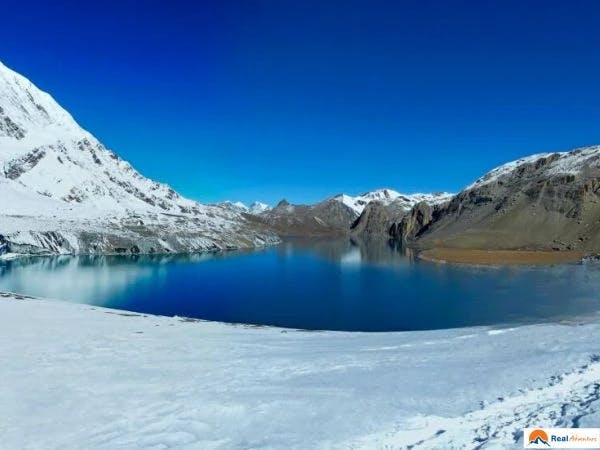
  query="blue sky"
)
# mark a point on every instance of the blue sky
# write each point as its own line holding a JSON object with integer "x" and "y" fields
{"x": 270, "y": 99}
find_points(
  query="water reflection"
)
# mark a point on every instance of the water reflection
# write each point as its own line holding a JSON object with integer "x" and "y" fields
{"x": 92, "y": 279}
{"x": 352, "y": 251}
{"x": 338, "y": 284}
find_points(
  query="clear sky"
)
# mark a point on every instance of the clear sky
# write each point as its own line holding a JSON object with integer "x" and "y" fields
{"x": 305, "y": 99}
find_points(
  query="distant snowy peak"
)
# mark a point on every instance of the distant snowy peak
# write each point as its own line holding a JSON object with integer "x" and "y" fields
{"x": 559, "y": 163}
{"x": 259, "y": 207}
{"x": 234, "y": 206}
{"x": 44, "y": 151}
{"x": 388, "y": 196}
{"x": 255, "y": 208}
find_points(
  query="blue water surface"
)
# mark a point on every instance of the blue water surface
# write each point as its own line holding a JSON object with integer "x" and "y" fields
{"x": 323, "y": 284}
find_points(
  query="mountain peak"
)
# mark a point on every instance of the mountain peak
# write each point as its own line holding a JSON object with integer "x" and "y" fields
{"x": 62, "y": 191}
{"x": 557, "y": 163}
{"x": 387, "y": 196}
{"x": 258, "y": 207}
{"x": 46, "y": 152}
{"x": 30, "y": 107}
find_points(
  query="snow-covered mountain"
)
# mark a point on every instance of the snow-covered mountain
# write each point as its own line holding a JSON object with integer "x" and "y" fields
{"x": 339, "y": 214}
{"x": 573, "y": 162}
{"x": 233, "y": 206}
{"x": 255, "y": 208}
{"x": 258, "y": 208}
{"x": 43, "y": 149}
{"x": 387, "y": 196}
{"x": 57, "y": 177}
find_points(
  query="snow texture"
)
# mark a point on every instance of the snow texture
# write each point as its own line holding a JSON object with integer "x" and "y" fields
{"x": 255, "y": 208}
{"x": 387, "y": 196}
{"x": 56, "y": 177}
{"x": 76, "y": 376}
{"x": 564, "y": 163}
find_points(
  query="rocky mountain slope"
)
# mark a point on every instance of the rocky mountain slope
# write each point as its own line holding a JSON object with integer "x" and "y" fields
{"x": 254, "y": 209}
{"x": 380, "y": 215}
{"x": 327, "y": 217}
{"x": 390, "y": 197}
{"x": 62, "y": 191}
{"x": 377, "y": 217}
{"x": 342, "y": 213}
{"x": 545, "y": 201}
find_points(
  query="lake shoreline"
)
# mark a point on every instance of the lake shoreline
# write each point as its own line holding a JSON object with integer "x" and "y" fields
{"x": 327, "y": 285}
{"x": 499, "y": 257}
{"x": 159, "y": 374}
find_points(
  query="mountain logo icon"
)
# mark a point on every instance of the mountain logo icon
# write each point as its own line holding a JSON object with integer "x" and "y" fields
{"x": 538, "y": 438}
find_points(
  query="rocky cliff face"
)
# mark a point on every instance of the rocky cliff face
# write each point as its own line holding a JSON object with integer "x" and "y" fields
{"x": 377, "y": 218}
{"x": 388, "y": 197}
{"x": 413, "y": 223}
{"x": 545, "y": 201}
{"x": 371, "y": 213}
{"x": 62, "y": 191}
{"x": 323, "y": 218}
{"x": 374, "y": 220}
{"x": 396, "y": 219}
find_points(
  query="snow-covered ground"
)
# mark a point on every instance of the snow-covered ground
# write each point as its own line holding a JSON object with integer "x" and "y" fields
{"x": 75, "y": 376}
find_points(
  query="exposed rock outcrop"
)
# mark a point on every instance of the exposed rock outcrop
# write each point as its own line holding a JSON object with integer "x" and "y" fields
{"x": 4, "y": 248}
{"x": 323, "y": 218}
{"x": 413, "y": 223}
{"x": 377, "y": 218}
{"x": 125, "y": 240}
{"x": 547, "y": 201}
{"x": 374, "y": 220}
{"x": 395, "y": 221}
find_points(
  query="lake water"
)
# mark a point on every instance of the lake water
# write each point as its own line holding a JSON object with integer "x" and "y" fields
{"x": 329, "y": 284}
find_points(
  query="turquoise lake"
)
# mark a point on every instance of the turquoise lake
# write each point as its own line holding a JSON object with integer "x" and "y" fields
{"x": 318, "y": 284}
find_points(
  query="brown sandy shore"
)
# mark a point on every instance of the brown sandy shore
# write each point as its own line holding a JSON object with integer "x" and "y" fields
{"x": 491, "y": 257}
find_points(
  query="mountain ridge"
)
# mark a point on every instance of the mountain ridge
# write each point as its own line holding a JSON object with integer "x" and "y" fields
{"x": 255, "y": 207}
{"x": 339, "y": 214}
{"x": 387, "y": 196}
{"x": 63, "y": 191}
{"x": 548, "y": 201}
